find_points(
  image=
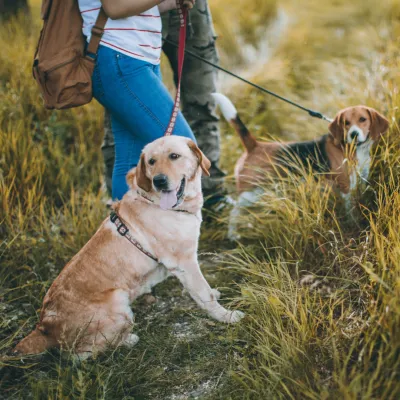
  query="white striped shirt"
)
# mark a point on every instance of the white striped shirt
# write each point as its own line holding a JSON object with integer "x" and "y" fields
{"x": 138, "y": 36}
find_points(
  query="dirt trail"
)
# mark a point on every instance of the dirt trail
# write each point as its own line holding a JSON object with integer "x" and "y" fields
{"x": 177, "y": 323}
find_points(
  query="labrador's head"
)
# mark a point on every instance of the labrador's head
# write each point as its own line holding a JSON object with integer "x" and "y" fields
{"x": 359, "y": 125}
{"x": 170, "y": 168}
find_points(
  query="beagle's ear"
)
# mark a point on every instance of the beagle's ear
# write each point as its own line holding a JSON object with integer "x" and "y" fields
{"x": 141, "y": 178}
{"x": 130, "y": 177}
{"x": 336, "y": 128}
{"x": 379, "y": 124}
{"x": 204, "y": 162}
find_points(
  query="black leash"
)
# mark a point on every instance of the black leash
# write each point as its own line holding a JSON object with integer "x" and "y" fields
{"x": 314, "y": 114}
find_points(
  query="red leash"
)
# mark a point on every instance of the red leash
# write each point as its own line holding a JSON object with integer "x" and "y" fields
{"x": 183, "y": 12}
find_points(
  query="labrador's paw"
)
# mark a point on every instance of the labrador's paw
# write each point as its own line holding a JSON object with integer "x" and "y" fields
{"x": 235, "y": 316}
{"x": 231, "y": 317}
{"x": 130, "y": 340}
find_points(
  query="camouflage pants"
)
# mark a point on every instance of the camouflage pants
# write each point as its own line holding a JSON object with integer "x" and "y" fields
{"x": 198, "y": 82}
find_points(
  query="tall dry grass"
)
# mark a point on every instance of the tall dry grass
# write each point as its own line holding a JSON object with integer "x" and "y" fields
{"x": 321, "y": 288}
{"x": 51, "y": 202}
{"x": 250, "y": 22}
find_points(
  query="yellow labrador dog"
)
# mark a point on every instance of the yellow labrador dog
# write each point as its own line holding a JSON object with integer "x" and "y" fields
{"x": 152, "y": 234}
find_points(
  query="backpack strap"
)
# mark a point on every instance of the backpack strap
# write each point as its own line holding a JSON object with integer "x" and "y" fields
{"x": 97, "y": 32}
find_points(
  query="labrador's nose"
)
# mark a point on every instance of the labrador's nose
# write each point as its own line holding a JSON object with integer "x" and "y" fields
{"x": 160, "y": 182}
{"x": 353, "y": 135}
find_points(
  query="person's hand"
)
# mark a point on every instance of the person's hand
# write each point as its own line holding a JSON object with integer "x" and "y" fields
{"x": 166, "y": 5}
{"x": 189, "y": 4}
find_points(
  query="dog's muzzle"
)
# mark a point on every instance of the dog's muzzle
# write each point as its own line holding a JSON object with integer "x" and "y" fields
{"x": 160, "y": 182}
{"x": 357, "y": 136}
{"x": 169, "y": 198}
{"x": 353, "y": 135}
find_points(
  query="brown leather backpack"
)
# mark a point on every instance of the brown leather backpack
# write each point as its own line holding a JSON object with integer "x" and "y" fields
{"x": 63, "y": 66}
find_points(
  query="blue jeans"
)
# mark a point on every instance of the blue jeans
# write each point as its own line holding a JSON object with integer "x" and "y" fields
{"x": 140, "y": 107}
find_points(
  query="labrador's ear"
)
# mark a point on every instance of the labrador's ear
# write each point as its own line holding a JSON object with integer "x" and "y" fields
{"x": 130, "y": 177}
{"x": 336, "y": 128}
{"x": 141, "y": 178}
{"x": 379, "y": 124}
{"x": 204, "y": 162}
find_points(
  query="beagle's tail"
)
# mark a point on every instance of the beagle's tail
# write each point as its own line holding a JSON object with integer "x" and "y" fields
{"x": 35, "y": 343}
{"x": 231, "y": 115}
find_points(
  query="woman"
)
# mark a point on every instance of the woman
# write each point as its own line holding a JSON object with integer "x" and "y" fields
{"x": 127, "y": 80}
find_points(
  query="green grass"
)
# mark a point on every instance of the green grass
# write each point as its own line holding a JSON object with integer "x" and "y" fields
{"x": 321, "y": 293}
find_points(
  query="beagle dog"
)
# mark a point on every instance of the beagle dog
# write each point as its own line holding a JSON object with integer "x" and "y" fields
{"x": 152, "y": 234}
{"x": 354, "y": 128}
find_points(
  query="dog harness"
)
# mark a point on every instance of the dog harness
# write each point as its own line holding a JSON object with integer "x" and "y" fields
{"x": 123, "y": 230}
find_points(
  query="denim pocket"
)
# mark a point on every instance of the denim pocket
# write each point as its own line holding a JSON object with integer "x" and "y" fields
{"x": 128, "y": 65}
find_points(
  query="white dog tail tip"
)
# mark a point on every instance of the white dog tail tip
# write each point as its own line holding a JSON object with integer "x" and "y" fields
{"x": 231, "y": 115}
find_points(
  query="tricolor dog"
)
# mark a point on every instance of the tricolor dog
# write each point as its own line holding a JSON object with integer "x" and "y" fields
{"x": 152, "y": 234}
{"x": 358, "y": 126}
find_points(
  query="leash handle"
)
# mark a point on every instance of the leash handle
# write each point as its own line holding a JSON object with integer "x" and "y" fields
{"x": 183, "y": 13}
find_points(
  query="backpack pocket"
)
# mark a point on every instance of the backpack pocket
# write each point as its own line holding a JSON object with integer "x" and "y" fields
{"x": 66, "y": 79}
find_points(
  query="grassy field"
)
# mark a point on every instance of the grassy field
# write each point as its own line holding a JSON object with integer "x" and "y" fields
{"x": 321, "y": 293}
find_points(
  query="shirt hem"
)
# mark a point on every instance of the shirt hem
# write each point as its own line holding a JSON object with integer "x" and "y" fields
{"x": 144, "y": 58}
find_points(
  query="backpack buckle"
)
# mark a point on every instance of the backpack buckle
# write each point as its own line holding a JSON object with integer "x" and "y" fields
{"x": 91, "y": 56}
{"x": 96, "y": 31}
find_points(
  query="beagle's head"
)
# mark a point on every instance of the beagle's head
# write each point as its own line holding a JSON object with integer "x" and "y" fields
{"x": 358, "y": 124}
{"x": 170, "y": 170}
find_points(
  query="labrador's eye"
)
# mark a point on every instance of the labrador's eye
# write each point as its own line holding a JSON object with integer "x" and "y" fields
{"x": 174, "y": 156}
{"x": 347, "y": 123}
{"x": 152, "y": 161}
{"x": 362, "y": 119}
